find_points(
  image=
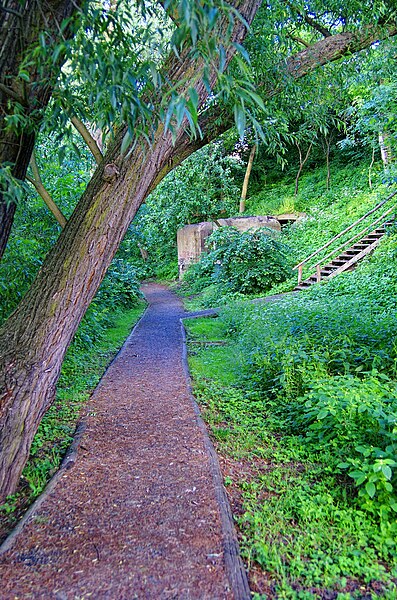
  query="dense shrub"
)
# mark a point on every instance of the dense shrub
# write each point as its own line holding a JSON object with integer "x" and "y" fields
{"x": 246, "y": 263}
{"x": 357, "y": 419}
{"x": 120, "y": 286}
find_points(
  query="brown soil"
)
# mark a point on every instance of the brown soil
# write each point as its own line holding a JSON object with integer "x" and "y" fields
{"x": 141, "y": 513}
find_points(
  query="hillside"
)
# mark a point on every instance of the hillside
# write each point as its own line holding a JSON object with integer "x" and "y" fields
{"x": 300, "y": 395}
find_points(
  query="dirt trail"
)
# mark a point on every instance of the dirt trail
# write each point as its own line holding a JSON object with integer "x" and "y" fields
{"x": 140, "y": 513}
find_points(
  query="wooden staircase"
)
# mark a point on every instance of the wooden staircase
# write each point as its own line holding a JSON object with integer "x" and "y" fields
{"x": 351, "y": 251}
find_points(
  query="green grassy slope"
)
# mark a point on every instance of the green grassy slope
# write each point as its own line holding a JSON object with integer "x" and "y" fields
{"x": 301, "y": 402}
{"x": 328, "y": 211}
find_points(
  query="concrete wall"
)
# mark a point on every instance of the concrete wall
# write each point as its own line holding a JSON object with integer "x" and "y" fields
{"x": 191, "y": 238}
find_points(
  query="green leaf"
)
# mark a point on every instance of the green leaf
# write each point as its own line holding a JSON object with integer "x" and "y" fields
{"x": 57, "y": 51}
{"x": 126, "y": 143}
{"x": 240, "y": 119}
{"x": 358, "y": 476}
{"x": 24, "y": 75}
{"x": 323, "y": 413}
{"x": 256, "y": 98}
{"x": 387, "y": 472}
{"x": 193, "y": 95}
{"x": 180, "y": 111}
{"x": 363, "y": 450}
{"x": 370, "y": 489}
{"x": 242, "y": 51}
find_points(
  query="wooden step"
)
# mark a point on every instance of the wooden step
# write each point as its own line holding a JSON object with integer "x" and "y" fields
{"x": 347, "y": 260}
{"x": 348, "y": 255}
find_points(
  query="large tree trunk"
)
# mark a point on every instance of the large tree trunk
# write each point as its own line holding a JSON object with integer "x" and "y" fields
{"x": 35, "y": 338}
{"x": 20, "y": 25}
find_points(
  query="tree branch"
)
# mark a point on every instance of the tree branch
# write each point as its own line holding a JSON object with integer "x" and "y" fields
{"x": 214, "y": 122}
{"x": 42, "y": 191}
{"x": 9, "y": 92}
{"x": 300, "y": 40}
{"x": 333, "y": 48}
{"x": 87, "y": 137}
{"x": 317, "y": 26}
{"x": 246, "y": 178}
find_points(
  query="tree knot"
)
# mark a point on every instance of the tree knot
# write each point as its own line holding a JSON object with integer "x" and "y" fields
{"x": 110, "y": 172}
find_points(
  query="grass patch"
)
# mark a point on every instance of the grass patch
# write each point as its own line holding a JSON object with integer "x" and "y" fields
{"x": 81, "y": 371}
{"x": 218, "y": 361}
{"x": 205, "y": 329}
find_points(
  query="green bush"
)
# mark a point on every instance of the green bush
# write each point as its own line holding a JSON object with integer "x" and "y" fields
{"x": 243, "y": 263}
{"x": 357, "y": 420}
{"x": 120, "y": 286}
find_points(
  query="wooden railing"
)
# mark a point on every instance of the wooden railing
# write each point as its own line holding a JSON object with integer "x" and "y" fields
{"x": 337, "y": 250}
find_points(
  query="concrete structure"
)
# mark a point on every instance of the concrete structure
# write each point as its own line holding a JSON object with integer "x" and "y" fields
{"x": 191, "y": 238}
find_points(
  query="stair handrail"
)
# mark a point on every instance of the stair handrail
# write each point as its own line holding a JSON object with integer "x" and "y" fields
{"x": 358, "y": 235}
{"x": 299, "y": 266}
{"x": 346, "y": 230}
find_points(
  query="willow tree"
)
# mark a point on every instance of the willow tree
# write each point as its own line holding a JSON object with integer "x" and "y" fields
{"x": 30, "y": 32}
{"x": 178, "y": 110}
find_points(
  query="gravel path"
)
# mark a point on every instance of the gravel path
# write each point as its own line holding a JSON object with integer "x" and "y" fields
{"x": 141, "y": 513}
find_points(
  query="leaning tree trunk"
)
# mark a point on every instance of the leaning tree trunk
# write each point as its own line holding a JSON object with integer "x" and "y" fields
{"x": 20, "y": 26}
{"x": 35, "y": 338}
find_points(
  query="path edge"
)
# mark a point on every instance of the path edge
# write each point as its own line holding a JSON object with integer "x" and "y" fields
{"x": 68, "y": 460}
{"x": 235, "y": 569}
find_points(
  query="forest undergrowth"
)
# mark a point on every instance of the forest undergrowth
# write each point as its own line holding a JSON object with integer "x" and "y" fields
{"x": 302, "y": 405}
{"x": 300, "y": 397}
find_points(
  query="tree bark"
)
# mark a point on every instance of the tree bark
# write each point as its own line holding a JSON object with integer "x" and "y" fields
{"x": 326, "y": 142}
{"x": 385, "y": 149}
{"x": 370, "y": 168}
{"x": 332, "y": 48}
{"x": 20, "y": 25}
{"x": 36, "y": 336}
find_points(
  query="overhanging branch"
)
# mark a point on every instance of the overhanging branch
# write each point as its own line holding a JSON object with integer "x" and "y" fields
{"x": 299, "y": 65}
{"x": 87, "y": 137}
{"x": 42, "y": 191}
